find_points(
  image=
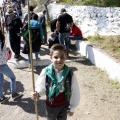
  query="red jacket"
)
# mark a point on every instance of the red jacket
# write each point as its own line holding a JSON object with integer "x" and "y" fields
{"x": 76, "y": 31}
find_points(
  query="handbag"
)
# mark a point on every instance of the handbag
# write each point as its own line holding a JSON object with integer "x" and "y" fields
{"x": 10, "y": 55}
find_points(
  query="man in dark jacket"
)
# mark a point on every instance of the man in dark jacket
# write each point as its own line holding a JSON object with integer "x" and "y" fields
{"x": 13, "y": 24}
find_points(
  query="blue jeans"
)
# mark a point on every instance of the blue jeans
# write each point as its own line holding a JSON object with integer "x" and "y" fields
{"x": 64, "y": 40}
{"x": 36, "y": 56}
{"x": 76, "y": 37}
{"x": 5, "y": 70}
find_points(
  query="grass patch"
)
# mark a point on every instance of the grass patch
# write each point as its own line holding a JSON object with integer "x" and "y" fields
{"x": 110, "y": 44}
{"x": 99, "y": 3}
{"x": 115, "y": 84}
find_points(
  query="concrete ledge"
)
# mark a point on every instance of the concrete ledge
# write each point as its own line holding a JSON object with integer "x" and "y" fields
{"x": 99, "y": 59}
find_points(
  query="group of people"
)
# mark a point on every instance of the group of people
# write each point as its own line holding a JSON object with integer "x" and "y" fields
{"x": 66, "y": 30}
{"x": 57, "y": 81}
{"x": 15, "y": 26}
{"x": 12, "y": 22}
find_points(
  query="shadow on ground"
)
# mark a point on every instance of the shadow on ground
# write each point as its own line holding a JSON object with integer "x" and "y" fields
{"x": 44, "y": 51}
{"x": 27, "y": 104}
{"x": 85, "y": 62}
{"x": 19, "y": 87}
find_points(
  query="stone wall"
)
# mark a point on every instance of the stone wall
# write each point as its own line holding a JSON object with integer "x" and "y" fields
{"x": 91, "y": 20}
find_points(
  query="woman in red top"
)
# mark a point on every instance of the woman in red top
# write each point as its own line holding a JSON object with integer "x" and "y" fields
{"x": 76, "y": 33}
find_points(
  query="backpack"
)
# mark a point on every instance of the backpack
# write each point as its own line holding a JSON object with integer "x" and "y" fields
{"x": 24, "y": 29}
{"x": 67, "y": 86}
{"x": 35, "y": 38}
{"x": 35, "y": 33}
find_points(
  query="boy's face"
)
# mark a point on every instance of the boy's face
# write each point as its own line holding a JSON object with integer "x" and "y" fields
{"x": 58, "y": 59}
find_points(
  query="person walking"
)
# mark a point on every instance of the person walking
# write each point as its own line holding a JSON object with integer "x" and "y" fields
{"x": 42, "y": 20}
{"x": 5, "y": 70}
{"x": 13, "y": 24}
{"x": 58, "y": 82}
{"x": 64, "y": 25}
{"x": 37, "y": 37}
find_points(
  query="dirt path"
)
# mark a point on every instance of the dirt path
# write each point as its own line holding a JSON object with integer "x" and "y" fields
{"x": 100, "y": 97}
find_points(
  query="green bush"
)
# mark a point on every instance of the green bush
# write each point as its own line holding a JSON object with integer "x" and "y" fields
{"x": 101, "y": 3}
{"x": 111, "y": 3}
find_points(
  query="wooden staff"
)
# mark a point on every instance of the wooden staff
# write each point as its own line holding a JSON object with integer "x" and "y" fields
{"x": 31, "y": 57}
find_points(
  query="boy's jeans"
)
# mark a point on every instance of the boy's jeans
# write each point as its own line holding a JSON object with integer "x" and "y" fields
{"x": 64, "y": 38}
{"x": 5, "y": 70}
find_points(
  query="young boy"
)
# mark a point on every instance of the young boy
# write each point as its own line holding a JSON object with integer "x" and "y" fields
{"x": 60, "y": 86}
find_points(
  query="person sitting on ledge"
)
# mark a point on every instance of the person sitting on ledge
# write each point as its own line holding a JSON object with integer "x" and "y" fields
{"x": 76, "y": 33}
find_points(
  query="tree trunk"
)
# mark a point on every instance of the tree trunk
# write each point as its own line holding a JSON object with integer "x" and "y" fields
{"x": 46, "y": 4}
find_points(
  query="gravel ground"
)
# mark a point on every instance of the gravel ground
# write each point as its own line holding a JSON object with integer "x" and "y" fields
{"x": 100, "y": 96}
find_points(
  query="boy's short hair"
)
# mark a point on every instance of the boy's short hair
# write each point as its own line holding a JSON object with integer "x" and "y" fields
{"x": 57, "y": 47}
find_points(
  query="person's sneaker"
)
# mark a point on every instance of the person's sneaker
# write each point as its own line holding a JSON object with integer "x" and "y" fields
{"x": 4, "y": 99}
{"x": 16, "y": 95}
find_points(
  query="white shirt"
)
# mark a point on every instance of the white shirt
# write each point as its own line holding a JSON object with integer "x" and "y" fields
{"x": 75, "y": 92}
{"x": 40, "y": 14}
